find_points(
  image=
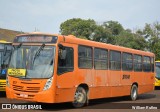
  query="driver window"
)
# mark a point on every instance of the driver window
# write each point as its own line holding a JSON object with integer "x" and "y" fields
{"x": 65, "y": 60}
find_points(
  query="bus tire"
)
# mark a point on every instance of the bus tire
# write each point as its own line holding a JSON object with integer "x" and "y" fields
{"x": 80, "y": 97}
{"x": 134, "y": 92}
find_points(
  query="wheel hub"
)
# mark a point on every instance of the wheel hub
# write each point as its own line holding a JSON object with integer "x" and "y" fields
{"x": 79, "y": 96}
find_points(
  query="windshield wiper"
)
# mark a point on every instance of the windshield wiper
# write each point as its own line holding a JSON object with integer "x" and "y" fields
{"x": 18, "y": 46}
{"x": 4, "y": 54}
{"x": 5, "y": 51}
{"x": 38, "y": 52}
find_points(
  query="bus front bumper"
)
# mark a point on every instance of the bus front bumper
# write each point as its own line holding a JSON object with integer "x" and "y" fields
{"x": 43, "y": 96}
{"x": 2, "y": 85}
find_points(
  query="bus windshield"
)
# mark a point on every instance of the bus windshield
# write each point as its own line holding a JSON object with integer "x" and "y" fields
{"x": 36, "y": 60}
{"x": 5, "y": 52}
{"x": 158, "y": 69}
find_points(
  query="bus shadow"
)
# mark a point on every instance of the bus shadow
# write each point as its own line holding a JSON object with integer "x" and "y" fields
{"x": 146, "y": 96}
{"x": 92, "y": 104}
{"x": 103, "y": 103}
{"x": 2, "y": 94}
{"x": 157, "y": 87}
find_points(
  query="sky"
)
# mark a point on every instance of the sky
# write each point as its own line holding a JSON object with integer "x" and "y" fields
{"x": 47, "y": 15}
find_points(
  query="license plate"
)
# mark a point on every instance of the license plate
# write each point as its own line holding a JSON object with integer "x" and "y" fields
{"x": 24, "y": 95}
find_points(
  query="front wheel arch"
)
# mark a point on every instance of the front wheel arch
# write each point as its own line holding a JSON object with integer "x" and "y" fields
{"x": 84, "y": 93}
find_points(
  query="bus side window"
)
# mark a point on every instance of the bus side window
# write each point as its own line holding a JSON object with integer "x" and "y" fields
{"x": 152, "y": 63}
{"x": 146, "y": 64}
{"x": 65, "y": 60}
{"x": 115, "y": 60}
{"x": 137, "y": 62}
{"x": 85, "y": 57}
{"x": 127, "y": 62}
{"x": 100, "y": 59}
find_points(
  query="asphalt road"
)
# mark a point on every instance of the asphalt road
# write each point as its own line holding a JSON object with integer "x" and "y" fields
{"x": 145, "y": 102}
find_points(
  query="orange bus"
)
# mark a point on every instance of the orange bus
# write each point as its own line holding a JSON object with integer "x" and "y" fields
{"x": 55, "y": 68}
{"x": 5, "y": 53}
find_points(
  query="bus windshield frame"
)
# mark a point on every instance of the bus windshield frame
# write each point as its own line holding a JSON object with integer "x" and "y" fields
{"x": 32, "y": 61}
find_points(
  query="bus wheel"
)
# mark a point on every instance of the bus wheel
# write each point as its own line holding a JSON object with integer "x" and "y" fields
{"x": 134, "y": 92}
{"x": 80, "y": 97}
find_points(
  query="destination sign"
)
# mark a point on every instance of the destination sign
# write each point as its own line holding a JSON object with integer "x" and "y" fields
{"x": 16, "y": 72}
{"x": 36, "y": 39}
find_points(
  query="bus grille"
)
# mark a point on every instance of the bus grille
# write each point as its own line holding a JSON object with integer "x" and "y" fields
{"x": 2, "y": 86}
{"x": 26, "y": 89}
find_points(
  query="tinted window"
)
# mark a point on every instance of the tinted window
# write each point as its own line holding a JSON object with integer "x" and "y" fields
{"x": 152, "y": 64}
{"x": 65, "y": 62}
{"x": 0, "y": 59}
{"x": 127, "y": 63}
{"x": 100, "y": 58}
{"x": 146, "y": 64}
{"x": 137, "y": 63}
{"x": 115, "y": 60}
{"x": 84, "y": 57}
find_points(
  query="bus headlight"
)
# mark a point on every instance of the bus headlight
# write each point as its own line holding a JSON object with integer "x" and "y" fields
{"x": 7, "y": 82}
{"x": 48, "y": 84}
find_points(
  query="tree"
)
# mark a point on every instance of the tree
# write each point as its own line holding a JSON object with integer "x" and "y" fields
{"x": 113, "y": 32}
{"x": 87, "y": 29}
{"x": 102, "y": 34}
{"x": 78, "y": 27}
{"x": 115, "y": 27}
{"x": 151, "y": 32}
{"x": 131, "y": 40}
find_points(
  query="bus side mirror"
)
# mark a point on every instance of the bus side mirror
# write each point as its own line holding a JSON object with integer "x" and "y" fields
{"x": 60, "y": 46}
{"x": 5, "y": 50}
{"x": 62, "y": 51}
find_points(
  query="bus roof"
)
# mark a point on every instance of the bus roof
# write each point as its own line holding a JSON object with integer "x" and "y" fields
{"x": 72, "y": 39}
{"x": 5, "y": 42}
{"x": 36, "y": 33}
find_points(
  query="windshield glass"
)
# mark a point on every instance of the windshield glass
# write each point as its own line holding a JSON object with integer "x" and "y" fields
{"x": 0, "y": 60}
{"x": 158, "y": 69}
{"x": 37, "y": 62}
{"x": 5, "y": 52}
